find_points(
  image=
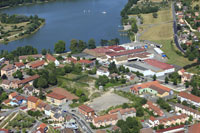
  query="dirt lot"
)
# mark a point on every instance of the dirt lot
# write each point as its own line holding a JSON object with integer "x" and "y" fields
{"x": 107, "y": 100}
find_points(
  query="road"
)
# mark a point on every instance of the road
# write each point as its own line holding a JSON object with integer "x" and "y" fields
{"x": 10, "y": 111}
{"x": 175, "y": 29}
{"x": 35, "y": 126}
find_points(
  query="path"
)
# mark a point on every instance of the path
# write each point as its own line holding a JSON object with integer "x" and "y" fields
{"x": 10, "y": 120}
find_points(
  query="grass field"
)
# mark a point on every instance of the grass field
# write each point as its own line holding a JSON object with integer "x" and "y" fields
{"x": 159, "y": 32}
{"x": 173, "y": 57}
{"x": 163, "y": 16}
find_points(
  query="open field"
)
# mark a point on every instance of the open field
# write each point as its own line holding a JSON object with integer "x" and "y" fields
{"x": 173, "y": 57}
{"x": 163, "y": 16}
{"x": 107, "y": 100}
{"x": 195, "y": 70}
{"x": 158, "y": 32}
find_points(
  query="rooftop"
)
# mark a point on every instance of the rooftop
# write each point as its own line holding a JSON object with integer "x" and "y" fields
{"x": 8, "y": 67}
{"x": 158, "y": 64}
{"x": 195, "y": 128}
{"x": 108, "y": 117}
{"x": 36, "y": 64}
{"x": 34, "y": 56}
{"x": 32, "y": 99}
{"x": 65, "y": 93}
{"x": 86, "y": 108}
{"x": 190, "y": 96}
{"x": 50, "y": 57}
{"x": 55, "y": 96}
{"x": 31, "y": 78}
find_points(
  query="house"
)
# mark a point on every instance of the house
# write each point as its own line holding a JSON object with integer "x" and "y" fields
{"x": 176, "y": 119}
{"x": 59, "y": 117}
{"x": 25, "y": 57}
{"x": 12, "y": 95}
{"x": 130, "y": 76}
{"x": 61, "y": 91}
{"x": 185, "y": 76}
{"x": 28, "y": 80}
{"x": 124, "y": 113}
{"x": 86, "y": 111}
{"x": 32, "y": 102}
{"x": 20, "y": 99}
{"x": 30, "y": 90}
{"x": 195, "y": 128}
{"x": 36, "y": 64}
{"x": 175, "y": 129}
{"x": 6, "y": 102}
{"x": 19, "y": 65}
{"x": 189, "y": 98}
{"x": 5, "y": 84}
{"x": 152, "y": 87}
{"x": 47, "y": 110}
{"x": 4, "y": 130}
{"x": 41, "y": 105}
{"x": 55, "y": 98}
{"x": 42, "y": 127}
{"x": 108, "y": 119}
{"x": 103, "y": 71}
{"x": 146, "y": 130}
{"x": 50, "y": 58}
{"x": 188, "y": 111}
{"x": 153, "y": 107}
{"x": 8, "y": 70}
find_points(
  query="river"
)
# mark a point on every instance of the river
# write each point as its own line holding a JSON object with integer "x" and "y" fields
{"x": 71, "y": 19}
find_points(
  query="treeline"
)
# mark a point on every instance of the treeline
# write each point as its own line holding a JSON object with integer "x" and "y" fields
{"x": 26, "y": 50}
{"x": 12, "y": 3}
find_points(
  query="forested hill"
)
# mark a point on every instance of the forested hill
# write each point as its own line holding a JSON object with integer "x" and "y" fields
{"x": 11, "y": 3}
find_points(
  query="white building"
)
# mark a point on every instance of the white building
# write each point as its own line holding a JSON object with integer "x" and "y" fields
{"x": 103, "y": 71}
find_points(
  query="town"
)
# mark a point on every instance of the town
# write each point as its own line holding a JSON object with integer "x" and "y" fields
{"x": 107, "y": 87}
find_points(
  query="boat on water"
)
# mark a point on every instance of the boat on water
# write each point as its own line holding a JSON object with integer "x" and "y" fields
{"x": 104, "y": 12}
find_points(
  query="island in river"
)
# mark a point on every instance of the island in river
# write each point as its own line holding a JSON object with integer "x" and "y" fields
{"x": 14, "y": 27}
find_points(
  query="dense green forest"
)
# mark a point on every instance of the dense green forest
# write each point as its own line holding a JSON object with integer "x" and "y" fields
{"x": 11, "y": 3}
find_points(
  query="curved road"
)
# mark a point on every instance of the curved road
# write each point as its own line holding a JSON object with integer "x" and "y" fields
{"x": 175, "y": 29}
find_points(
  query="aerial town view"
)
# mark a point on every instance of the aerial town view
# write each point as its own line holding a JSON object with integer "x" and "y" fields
{"x": 99, "y": 66}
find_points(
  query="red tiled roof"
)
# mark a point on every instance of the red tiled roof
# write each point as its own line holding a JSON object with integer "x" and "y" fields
{"x": 14, "y": 94}
{"x": 195, "y": 128}
{"x": 154, "y": 108}
{"x": 37, "y": 64}
{"x": 170, "y": 128}
{"x": 175, "y": 117}
{"x": 55, "y": 96}
{"x": 65, "y": 93}
{"x": 29, "y": 79}
{"x": 19, "y": 64}
{"x": 158, "y": 64}
{"x": 86, "y": 108}
{"x": 114, "y": 111}
{"x": 84, "y": 61}
{"x": 50, "y": 57}
{"x": 150, "y": 84}
{"x": 20, "y": 98}
{"x": 126, "y": 52}
{"x": 190, "y": 96}
{"x": 8, "y": 67}
{"x": 43, "y": 125}
{"x": 34, "y": 56}
{"x": 6, "y": 101}
{"x": 116, "y": 48}
{"x": 108, "y": 117}
{"x": 32, "y": 99}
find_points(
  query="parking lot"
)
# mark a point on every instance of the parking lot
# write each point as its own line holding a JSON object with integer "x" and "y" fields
{"x": 107, "y": 100}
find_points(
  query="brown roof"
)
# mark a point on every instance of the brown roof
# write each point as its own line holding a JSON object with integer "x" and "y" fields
{"x": 29, "y": 79}
{"x": 127, "y": 110}
{"x": 108, "y": 117}
{"x": 154, "y": 108}
{"x": 55, "y": 96}
{"x": 86, "y": 108}
{"x": 50, "y": 57}
{"x": 146, "y": 130}
{"x": 19, "y": 64}
{"x": 195, "y": 128}
{"x": 42, "y": 104}
{"x": 114, "y": 111}
{"x": 42, "y": 126}
{"x": 190, "y": 96}
{"x": 6, "y": 82}
{"x": 175, "y": 117}
{"x": 187, "y": 108}
{"x": 37, "y": 63}
{"x": 32, "y": 99}
{"x": 6, "y": 101}
{"x": 20, "y": 98}
{"x": 65, "y": 93}
{"x": 34, "y": 56}
{"x": 14, "y": 94}
{"x": 8, "y": 67}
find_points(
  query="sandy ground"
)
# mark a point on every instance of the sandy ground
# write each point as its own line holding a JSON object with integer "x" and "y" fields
{"x": 107, "y": 100}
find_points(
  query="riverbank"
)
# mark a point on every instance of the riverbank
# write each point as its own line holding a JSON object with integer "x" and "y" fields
{"x": 18, "y": 37}
{"x": 25, "y": 4}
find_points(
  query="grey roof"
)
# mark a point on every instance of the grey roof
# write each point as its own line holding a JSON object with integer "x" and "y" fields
{"x": 85, "y": 55}
{"x": 136, "y": 66}
{"x": 48, "y": 107}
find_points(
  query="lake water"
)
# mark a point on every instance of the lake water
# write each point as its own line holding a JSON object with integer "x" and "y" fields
{"x": 71, "y": 19}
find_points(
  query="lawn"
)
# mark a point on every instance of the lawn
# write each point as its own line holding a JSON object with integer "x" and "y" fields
{"x": 158, "y": 32}
{"x": 195, "y": 69}
{"x": 173, "y": 57}
{"x": 163, "y": 16}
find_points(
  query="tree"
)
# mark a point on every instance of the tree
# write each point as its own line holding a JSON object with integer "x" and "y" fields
{"x": 52, "y": 80}
{"x": 166, "y": 80}
{"x": 112, "y": 68}
{"x": 18, "y": 74}
{"x": 44, "y": 51}
{"x": 91, "y": 44}
{"x": 42, "y": 83}
{"x": 139, "y": 112}
{"x": 154, "y": 77}
{"x": 41, "y": 94}
{"x": 125, "y": 105}
{"x": 155, "y": 15}
{"x": 59, "y": 47}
